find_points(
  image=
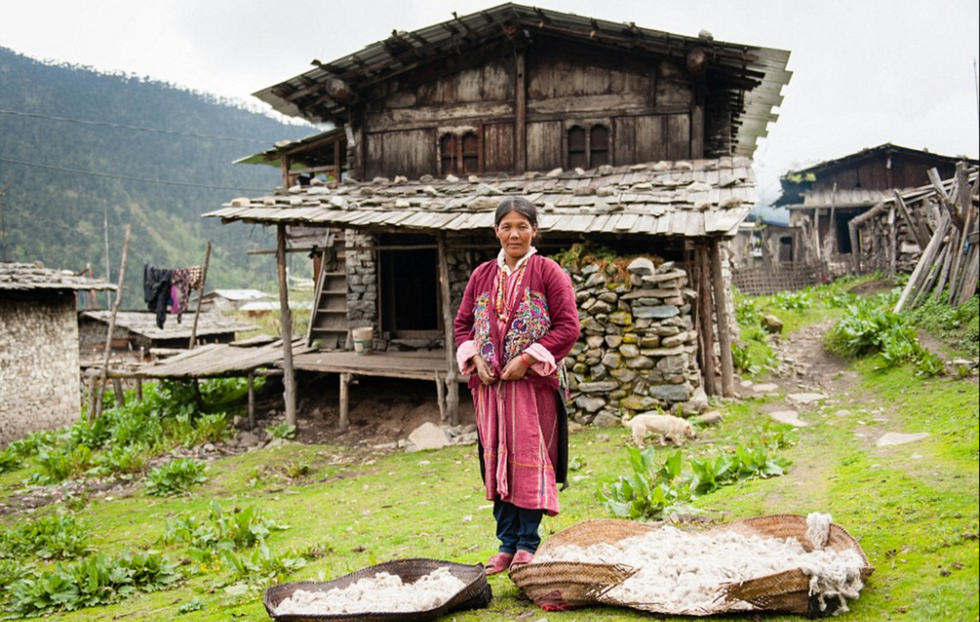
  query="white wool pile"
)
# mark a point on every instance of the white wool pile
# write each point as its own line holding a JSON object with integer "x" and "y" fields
{"x": 382, "y": 593}
{"x": 818, "y": 529}
{"x": 689, "y": 572}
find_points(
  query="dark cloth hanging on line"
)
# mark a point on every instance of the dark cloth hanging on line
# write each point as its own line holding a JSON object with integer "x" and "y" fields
{"x": 156, "y": 291}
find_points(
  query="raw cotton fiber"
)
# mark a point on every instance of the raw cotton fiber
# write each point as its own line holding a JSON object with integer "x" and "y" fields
{"x": 682, "y": 572}
{"x": 382, "y": 593}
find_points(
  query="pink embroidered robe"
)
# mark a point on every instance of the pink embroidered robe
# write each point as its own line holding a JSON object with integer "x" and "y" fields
{"x": 518, "y": 420}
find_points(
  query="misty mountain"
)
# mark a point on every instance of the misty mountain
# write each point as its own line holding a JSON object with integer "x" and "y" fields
{"x": 78, "y": 146}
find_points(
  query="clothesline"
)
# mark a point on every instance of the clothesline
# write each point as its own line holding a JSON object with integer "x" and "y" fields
{"x": 169, "y": 289}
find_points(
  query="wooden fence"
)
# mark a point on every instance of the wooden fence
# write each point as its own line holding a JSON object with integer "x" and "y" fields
{"x": 786, "y": 276}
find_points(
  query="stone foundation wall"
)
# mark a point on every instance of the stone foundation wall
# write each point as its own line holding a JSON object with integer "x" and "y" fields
{"x": 638, "y": 348}
{"x": 362, "y": 280}
{"x": 39, "y": 374}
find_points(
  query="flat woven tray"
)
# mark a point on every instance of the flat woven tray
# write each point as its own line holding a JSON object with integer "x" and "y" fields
{"x": 475, "y": 595}
{"x": 566, "y": 585}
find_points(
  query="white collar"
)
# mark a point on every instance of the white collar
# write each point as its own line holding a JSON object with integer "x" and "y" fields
{"x": 503, "y": 264}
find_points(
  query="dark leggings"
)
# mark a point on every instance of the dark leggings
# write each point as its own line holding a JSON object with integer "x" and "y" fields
{"x": 517, "y": 528}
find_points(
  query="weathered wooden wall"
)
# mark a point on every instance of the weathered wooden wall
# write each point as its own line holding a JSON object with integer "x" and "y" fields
{"x": 881, "y": 172}
{"x": 39, "y": 376}
{"x": 648, "y": 112}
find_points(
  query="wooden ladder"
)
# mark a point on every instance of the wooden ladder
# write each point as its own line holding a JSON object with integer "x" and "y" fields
{"x": 328, "y": 318}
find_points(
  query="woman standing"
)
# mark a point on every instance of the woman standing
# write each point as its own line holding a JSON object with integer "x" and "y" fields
{"x": 517, "y": 321}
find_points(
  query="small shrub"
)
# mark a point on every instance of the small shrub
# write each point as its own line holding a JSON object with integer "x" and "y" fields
{"x": 261, "y": 565}
{"x": 240, "y": 528}
{"x": 129, "y": 459}
{"x": 9, "y": 460}
{"x": 175, "y": 477}
{"x": 56, "y": 465}
{"x": 212, "y": 428}
{"x": 97, "y": 580}
{"x": 797, "y": 301}
{"x": 282, "y": 430}
{"x": 11, "y": 570}
{"x": 57, "y": 536}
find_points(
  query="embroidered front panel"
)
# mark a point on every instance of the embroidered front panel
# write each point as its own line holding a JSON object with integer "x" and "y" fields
{"x": 481, "y": 329}
{"x": 531, "y": 322}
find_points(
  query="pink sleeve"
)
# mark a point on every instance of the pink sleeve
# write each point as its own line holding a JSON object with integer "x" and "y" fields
{"x": 464, "y": 352}
{"x": 544, "y": 364}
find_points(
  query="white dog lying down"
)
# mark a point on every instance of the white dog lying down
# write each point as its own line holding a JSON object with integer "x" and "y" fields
{"x": 667, "y": 426}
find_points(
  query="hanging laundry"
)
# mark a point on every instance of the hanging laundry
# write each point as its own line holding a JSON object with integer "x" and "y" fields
{"x": 184, "y": 280}
{"x": 156, "y": 291}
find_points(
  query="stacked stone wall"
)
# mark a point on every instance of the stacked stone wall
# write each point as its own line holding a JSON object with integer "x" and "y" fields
{"x": 39, "y": 379}
{"x": 638, "y": 347}
{"x": 362, "y": 280}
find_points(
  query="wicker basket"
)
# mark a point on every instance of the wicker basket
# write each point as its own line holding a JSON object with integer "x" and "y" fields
{"x": 565, "y": 585}
{"x": 475, "y": 595}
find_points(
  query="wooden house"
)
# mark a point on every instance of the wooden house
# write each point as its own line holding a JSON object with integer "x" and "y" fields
{"x": 40, "y": 386}
{"x": 137, "y": 332}
{"x": 823, "y": 199}
{"x": 632, "y": 137}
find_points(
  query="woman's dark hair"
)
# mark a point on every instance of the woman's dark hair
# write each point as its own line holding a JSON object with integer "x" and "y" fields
{"x": 516, "y": 204}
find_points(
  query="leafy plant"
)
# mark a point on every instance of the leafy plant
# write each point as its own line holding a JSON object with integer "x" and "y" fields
{"x": 194, "y": 604}
{"x": 9, "y": 460}
{"x": 260, "y": 565}
{"x": 282, "y": 430}
{"x": 11, "y": 570}
{"x": 797, "y": 301}
{"x": 56, "y": 536}
{"x": 96, "y": 580}
{"x": 58, "y": 464}
{"x": 175, "y": 477}
{"x": 126, "y": 459}
{"x": 238, "y": 529}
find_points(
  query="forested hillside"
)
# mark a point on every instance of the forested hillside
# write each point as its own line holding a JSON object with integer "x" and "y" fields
{"x": 77, "y": 146}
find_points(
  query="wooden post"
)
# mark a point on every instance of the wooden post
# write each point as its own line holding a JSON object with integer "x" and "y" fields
{"x": 452, "y": 379}
{"x": 344, "y": 398}
{"x": 112, "y": 327}
{"x": 200, "y": 295}
{"x": 117, "y": 391}
{"x": 94, "y": 394}
{"x": 520, "y": 114}
{"x": 963, "y": 205}
{"x": 441, "y": 396}
{"x": 721, "y": 317}
{"x": 251, "y": 399}
{"x": 139, "y": 389}
{"x": 925, "y": 261}
{"x": 855, "y": 247}
{"x": 892, "y": 242}
{"x": 705, "y": 319}
{"x": 285, "y": 329}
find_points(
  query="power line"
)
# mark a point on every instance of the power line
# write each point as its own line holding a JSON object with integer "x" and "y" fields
{"x": 127, "y": 177}
{"x": 36, "y": 115}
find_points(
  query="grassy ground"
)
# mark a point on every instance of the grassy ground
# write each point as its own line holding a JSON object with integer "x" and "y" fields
{"x": 914, "y": 507}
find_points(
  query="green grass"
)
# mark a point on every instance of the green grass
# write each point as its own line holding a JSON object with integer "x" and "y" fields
{"x": 914, "y": 507}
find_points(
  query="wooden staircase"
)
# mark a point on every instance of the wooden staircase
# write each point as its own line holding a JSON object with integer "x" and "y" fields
{"x": 328, "y": 319}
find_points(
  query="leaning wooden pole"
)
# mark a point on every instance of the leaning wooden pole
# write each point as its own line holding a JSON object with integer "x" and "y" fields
{"x": 286, "y": 329}
{"x": 452, "y": 379}
{"x": 721, "y": 318}
{"x": 97, "y": 389}
{"x": 705, "y": 321}
{"x": 200, "y": 296}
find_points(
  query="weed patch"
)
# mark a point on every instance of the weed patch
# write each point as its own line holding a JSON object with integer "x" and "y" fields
{"x": 57, "y": 536}
{"x": 175, "y": 477}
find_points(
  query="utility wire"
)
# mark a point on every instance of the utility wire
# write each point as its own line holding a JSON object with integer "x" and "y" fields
{"x": 37, "y": 115}
{"x": 167, "y": 182}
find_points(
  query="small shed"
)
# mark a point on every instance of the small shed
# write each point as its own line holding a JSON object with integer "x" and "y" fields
{"x": 136, "y": 331}
{"x": 824, "y": 198}
{"x": 39, "y": 356}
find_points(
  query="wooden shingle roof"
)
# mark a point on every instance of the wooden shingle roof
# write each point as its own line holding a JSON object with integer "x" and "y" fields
{"x": 34, "y": 276}
{"x": 684, "y": 198}
{"x": 144, "y": 323}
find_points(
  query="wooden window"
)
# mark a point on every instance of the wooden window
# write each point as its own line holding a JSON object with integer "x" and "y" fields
{"x": 470, "y": 156}
{"x": 598, "y": 146}
{"x": 447, "y": 154}
{"x": 577, "y": 154}
{"x": 459, "y": 155}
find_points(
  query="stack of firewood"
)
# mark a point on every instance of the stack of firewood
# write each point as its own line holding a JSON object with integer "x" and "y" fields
{"x": 949, "y": 262}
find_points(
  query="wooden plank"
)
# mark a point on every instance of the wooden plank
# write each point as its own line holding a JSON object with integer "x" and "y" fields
{"x": 964, "y": 209}
{"x": 344, "y": 400}
{"x": 705, "y": 323}
{"x": 200, "y": 296}
{"x": 721, "y": 319}
{"x": 920, "y": 236}
{"x": 944, "y": 200}
{"x": 520, "y": 114}
{"x": 452, "y": 397}
{"x": 926, "y": 260}
{"x": 285, "y": 329}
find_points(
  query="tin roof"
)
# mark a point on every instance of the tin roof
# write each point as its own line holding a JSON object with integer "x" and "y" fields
{"x": 34, "y": 276}
{"x": 144, "y": 323}
{"x": 683, "y": 198}
{"x": 751, "y": 78}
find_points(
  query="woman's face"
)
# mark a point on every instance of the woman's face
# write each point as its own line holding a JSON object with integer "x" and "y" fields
{"x": 515, "y": 233}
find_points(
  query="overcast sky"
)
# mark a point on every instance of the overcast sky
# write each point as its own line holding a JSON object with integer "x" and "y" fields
{"x": 866, "y": 72}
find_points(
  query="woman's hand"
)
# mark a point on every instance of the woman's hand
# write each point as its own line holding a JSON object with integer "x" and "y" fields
{"x": 483, "y": 370}
{"x": 517, "y": 367}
